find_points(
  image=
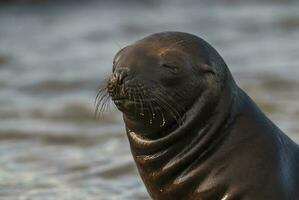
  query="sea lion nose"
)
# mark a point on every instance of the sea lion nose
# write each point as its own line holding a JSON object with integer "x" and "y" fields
{"x": 119, "y": 77}
{"x": 116, "y": 83}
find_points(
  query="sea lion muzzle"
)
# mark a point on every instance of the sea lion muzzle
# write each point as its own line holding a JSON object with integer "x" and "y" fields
{"x": 117, "y": 84}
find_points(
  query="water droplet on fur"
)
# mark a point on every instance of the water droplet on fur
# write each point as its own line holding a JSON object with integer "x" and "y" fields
{"x": 163, "y": 122}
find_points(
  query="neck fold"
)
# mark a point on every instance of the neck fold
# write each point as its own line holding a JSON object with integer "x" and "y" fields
{"x": 173, "y": 158}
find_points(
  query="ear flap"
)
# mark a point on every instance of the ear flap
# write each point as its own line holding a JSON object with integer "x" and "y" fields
{"x": 207, "y": 68}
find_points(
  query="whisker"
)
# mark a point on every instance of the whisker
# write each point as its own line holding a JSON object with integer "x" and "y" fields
{"x": 134, "y": 99}
{"x": 177, "y": 117}
{"x": 161, "y": 112}
{"x": 102, "y": 106}
{"x": 152, "y": 111}
{"x": 165, "y": 94}
{"x": 140, "y": 91}
{"x": 159, "y": 98}
{"x": 102, "y": 100}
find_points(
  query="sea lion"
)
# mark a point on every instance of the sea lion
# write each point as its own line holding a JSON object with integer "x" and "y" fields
{"x": 193, "y": 133}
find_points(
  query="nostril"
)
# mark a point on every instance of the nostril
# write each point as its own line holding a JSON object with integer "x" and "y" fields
{"x": 110, "y": 86}
{"x": 114, "y": 80}
{"x": 121, "y": 77}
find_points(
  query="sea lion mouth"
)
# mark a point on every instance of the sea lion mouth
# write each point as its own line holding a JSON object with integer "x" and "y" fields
{"x": 149, "y": 104}
{"x": 125, "y": 105}
{"x": 119, "y": 98}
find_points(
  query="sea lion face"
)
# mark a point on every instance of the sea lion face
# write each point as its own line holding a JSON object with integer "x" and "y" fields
{"x": 154, "y": 82}
{"x": 139, "y": 67}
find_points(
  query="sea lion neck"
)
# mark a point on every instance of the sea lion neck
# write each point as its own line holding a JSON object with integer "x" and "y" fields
{"x": 165, "y": 161}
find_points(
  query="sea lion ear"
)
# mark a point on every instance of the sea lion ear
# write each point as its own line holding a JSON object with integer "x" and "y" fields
{"x": 207, "y": 68}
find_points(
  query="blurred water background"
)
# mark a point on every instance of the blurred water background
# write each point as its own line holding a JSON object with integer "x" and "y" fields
{"x": 54, "y": 55}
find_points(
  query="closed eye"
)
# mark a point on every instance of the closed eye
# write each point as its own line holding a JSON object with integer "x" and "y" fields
{"x": 169, "y": 66}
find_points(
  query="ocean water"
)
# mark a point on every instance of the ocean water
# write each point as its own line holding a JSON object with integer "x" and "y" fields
{"x": 53, "y": 57}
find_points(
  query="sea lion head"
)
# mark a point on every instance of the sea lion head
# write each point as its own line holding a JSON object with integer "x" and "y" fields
{"x": 157, "y": 79}
{"x": 176, "y": 95}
